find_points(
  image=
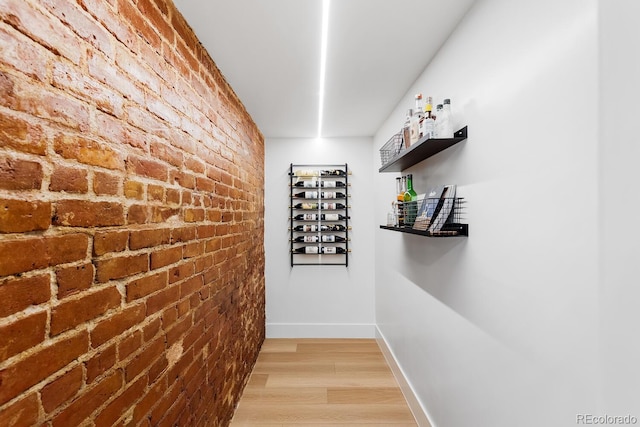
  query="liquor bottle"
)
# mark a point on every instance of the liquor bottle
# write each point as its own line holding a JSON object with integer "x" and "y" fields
{"x": 332, "y": 250}
{"x": 306, "y": 206}
{"x": 307, "y": 195}
{"x": 406, "y": 129}
{"x": 438, "y": 120}
{"x": 332, "y": 206}
{"x": 332, "y": 195}
{"x": 333, "y": 172}
{"x": 410, "y": 203}
{"x": 333, "y": 184}
{"x": 428, "y": 124}
{"x": 446, "y": 124}
{"x": 323, "y": 217}
{"x": 307, "y": 183}
{"x": 307, "y": 250}
{"x": 400, "y": 199}
{"x": 415, "y": 120}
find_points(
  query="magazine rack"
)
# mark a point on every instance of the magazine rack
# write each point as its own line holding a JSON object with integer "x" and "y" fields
{"x": 452, "y": 225}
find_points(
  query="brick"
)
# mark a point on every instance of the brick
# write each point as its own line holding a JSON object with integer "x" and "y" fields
{"x": 162, "y": 299}
{"x": 161, "y": 214}
{"x": 22, "y": 334}
{"x": 193, "y": 249}
{"x": 117, "y": 324}
{"x": 23, "y": 412}
{"x": 182, "y": 271}
{"x": 155, "y": 193}
{"x": 183, "y": 234}
{"x": 152, "y": 397}
{"x": 72, "y": 313}
{"x": 20, "y": 135}
{"x": 106, "y": 184}
{"x": 66, "y": 248}
{"x": 151, "y": 330}
{"x": 72, "y": 280}
{"x": 147, "y": 285}
{"x": 183, "y": 179}
{"x": 70, "y": 180}
{"x": 20, "y": 293}
{"x": 193, "y": 215}
{"x": 140, "y": 239}
{"x": 34, "y": 368}
{"x": 120, "y": 267}
{"x": 164, "y": 257}
{"x": 190, "y": 286}
{"x": 147, "y": 168}
{"x": 114, "y": 410}
{"x": 128, "y": 345}
{"x": 88, "y": 151}
{"x": 19, "y": 216}
{"x": 16, "y": 174}
{"x": 90, "y": 400}
{"x": 166, "y": 153}
{"x": 134, "y": 190}
{"x": 138, "y": 214}
{"x": 100, "y": 363}
{"x": 105, "y": 242}
{"x": 173, "y": 196}
{"x": 62, "y": 389}
{"x": 84, "y": 213}
{"x": 144, "y": 359}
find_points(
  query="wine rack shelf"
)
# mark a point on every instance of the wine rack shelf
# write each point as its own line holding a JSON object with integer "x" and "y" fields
{"x": 420, "y": 151}
{"x": 319, "y": 221}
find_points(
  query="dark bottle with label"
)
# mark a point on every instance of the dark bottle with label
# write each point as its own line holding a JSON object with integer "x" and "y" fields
{"x": 332, "y": 206}
{"x": 333, "y": 184}
{"x": 332, "y": 195}
{"x": 307, "y": 183}
{"x": 307, "y": 195}
{"x": 333, "y": 172}
{"x": 307, "y": 250}
{"x": 332, "y": 250}
{"x": 323, "y": 217}
{"x": 306, "y": 206}
{"x": 312, "y": 228}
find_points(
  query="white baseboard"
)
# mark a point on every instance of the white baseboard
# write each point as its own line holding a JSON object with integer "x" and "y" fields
{"x": 416, "y": 407}
{"x": 321, "y": 330}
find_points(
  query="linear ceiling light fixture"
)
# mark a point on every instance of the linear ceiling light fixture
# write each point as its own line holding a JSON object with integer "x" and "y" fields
{"x": 323, "y": 60}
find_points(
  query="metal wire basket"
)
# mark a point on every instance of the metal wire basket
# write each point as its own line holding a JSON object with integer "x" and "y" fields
{"x": 392, "y": 148}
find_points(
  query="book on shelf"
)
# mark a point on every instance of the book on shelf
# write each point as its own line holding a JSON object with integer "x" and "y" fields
{"x": 428, "y": 208}
{"x": 444, "y": 208}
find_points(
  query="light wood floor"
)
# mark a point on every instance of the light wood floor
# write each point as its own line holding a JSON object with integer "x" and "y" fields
{"x": 320, "y": 382}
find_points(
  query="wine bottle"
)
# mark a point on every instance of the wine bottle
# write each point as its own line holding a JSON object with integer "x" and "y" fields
{"x": 323, "y": 217}
{"x": 332, "y": 238}
{"x": 307, "y": 195}
{"x": 307, "y": 183}
{"x": 332, "y": 250}
{"x": 306, "y": 206}
{"x": 312, "y": 228}
{"x": 333, "y": 172}
{"x": 410, "y": 203}
{"x": 307, "y": 250}
{"x": 332, "y": 206}
{"x": 332, "y": 195}
{"x": 306, "y": 239}
{"x": 333, "y": 184}
{"x": 306, "y": 172}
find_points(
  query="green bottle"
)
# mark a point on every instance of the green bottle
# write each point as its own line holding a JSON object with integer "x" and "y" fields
{"x": 410, "y": 202}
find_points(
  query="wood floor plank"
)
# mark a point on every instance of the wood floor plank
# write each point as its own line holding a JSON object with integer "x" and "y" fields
{"x": 355, "y": 379}
{"x": 288, "y": 395}
{"x": 349, "y": 395}
{"x": 326, "y": 367}
{"x": 368, "y": 346}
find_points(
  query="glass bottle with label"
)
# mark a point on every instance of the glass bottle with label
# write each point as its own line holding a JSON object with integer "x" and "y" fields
{"x": 410, "y": 203}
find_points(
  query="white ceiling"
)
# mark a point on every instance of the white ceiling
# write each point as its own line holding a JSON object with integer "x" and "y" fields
{"x": 269, "y": 51}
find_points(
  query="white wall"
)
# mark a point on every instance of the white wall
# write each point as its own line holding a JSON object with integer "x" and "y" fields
{"x": 620, "y": 175}
{"x": 501, "y": 328}
{"x": 319, "y": 301}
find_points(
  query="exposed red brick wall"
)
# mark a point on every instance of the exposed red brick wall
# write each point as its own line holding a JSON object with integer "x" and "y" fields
{"x": 131, "y": 220}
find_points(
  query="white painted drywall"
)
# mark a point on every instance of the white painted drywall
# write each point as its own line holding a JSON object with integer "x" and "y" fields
{"x": 319, "y": 301}
{"x": 498, "y": 329}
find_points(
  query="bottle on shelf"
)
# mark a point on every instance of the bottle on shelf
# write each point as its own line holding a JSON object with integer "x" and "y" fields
{"x": 307, "y": 183}
{"x": 333, "y": 184}
{"x": 438, "y": 120}
{"x": 322, "y": 217}
{"x": 333, "y": 195}
{"x": 307, "y": 250}
{"x": 332, "y": 206}
{"x": 410, "y": 203}
{"x": 400, "y": 201}
{"x": 307, "y": 195}
{"x": 406, "y": 129}
{"x": 332, "y": 250}
{"x": 428, "y": 124}
{"x": 328, "y": 238}
{"x": 306, "y": 205}
{"x": 333, "y": 172}
{"x": 313, "y": 228}
{"x": 414, "y": 130}
{"x": 446, "y": 124}
{"x": 306, "y": 173}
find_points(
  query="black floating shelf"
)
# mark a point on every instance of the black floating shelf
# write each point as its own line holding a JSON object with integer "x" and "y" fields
{"x": 422, "y": 150}
{"x": 461, "y": 229}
